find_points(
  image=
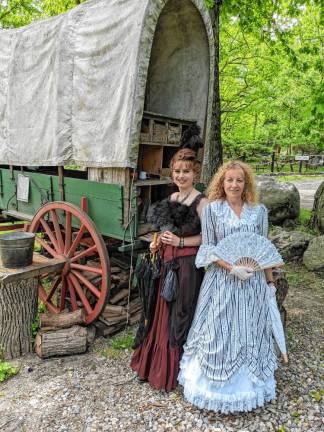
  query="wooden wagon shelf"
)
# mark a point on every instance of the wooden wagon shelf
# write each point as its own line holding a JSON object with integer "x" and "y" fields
{"x": 153, "y": 182}
{"x": 159, "y": 141}
{"x": 40, "y": 265}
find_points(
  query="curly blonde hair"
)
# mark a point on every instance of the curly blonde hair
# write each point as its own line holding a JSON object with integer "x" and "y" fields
{"x": 215, "y": 189}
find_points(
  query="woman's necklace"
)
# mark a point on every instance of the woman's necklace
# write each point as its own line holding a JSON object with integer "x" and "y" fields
{"x": 184, "y": 198}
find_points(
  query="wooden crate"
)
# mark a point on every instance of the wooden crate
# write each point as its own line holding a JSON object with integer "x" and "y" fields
{"x": 160, "y": 131}
{"x": 146, "y": 130}
{"x": 174, "y": 133}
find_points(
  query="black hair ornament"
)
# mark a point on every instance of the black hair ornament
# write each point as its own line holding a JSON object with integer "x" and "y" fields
{"x": 191, "y": 138}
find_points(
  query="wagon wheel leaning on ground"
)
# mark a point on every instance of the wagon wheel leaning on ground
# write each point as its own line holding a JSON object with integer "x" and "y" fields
{"x": 66, "y": 232}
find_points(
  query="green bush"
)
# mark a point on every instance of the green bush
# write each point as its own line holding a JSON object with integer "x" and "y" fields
{"x": 6, "y": 369}
{"x": 35, "y": 324}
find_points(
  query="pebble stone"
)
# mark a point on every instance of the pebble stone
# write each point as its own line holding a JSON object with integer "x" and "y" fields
{"x": 92, "y": 393}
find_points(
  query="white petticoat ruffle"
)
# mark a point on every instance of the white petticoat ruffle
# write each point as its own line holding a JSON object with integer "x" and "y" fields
{"x": 206, "y": 255}
{"x": 240, "y": 394}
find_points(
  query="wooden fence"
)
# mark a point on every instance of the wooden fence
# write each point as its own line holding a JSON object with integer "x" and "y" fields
{"x": 292, "y": 163}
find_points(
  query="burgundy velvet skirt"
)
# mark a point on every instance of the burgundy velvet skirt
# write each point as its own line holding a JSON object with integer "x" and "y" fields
{"x": 157, "y": 358}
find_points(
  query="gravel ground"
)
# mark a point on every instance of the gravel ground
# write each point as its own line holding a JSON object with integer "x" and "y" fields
{"x": 91, "y": 392}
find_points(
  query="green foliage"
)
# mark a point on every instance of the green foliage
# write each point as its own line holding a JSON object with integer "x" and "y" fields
{"x": 118, "y": 344}
{"x": 122, "y": 341}
{"x": 271, "y": 79}
{"x": 6, "y": 369}
{"x": 210, "y": 4}
{"x": 304, "y": 216}
{"x": 317, "y": 395}
{"x": 17, "y": 13}
{"x": 35, "y": 324}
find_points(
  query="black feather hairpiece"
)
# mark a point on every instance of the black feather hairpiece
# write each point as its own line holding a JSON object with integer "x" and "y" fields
{"x": 191, "y": 138}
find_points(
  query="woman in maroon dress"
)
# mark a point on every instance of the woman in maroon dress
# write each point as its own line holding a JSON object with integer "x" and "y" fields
{"x": 157, "y": 358}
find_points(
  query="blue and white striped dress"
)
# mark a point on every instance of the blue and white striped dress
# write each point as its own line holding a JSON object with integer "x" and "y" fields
{"x": 229, "y": 360}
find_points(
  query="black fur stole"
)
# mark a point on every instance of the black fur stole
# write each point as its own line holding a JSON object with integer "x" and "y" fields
{"x": 182, "y": 220}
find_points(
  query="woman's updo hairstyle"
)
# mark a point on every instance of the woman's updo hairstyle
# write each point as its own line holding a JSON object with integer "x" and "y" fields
{"x": 189, "y": 158}
{"x": 190, "y": 143}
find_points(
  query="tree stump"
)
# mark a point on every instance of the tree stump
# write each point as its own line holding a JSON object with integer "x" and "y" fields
{"x": 18, "y": 307}
{"x": 18, "y": 304}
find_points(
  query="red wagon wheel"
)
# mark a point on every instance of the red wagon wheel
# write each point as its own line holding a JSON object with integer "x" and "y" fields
{"x": 84, "y": 281}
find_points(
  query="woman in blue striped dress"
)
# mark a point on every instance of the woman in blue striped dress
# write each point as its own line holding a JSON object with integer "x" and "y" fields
{"x": 229, "y": 359}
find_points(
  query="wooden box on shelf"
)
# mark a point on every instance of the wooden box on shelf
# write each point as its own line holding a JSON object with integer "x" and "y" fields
{"x": 160, "y": 140}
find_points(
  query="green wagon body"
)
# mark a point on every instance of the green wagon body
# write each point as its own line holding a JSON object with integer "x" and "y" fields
{"x": 105, "y": 201}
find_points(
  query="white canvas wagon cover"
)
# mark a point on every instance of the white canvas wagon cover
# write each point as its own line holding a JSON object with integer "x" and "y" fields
{"x": 72, "y": 87}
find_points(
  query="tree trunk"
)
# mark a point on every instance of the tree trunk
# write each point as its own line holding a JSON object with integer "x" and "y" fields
{"x": 214, "y": 155}
{"x": 61, "y": 342}
{"x": 18, "y": 306}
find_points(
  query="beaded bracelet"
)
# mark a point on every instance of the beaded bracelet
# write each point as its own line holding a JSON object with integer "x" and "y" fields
{"x": 181, "y": 243}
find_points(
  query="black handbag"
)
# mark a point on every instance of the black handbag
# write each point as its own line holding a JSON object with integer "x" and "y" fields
{"x": 170, "y": 286}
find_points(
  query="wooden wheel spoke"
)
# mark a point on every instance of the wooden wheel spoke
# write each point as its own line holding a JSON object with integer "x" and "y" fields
{"x": 50, "y": 234}
{"x": 46, "y": 246}
{"x": 53, "y": 289}
{"x": 80, "y": 293}
{"x": 63, "y": 293}
{"x": 87, "y": 268}
{"x": 68, "y": 232}
{"x": 76, "y": 241}
{"x": 57, "y": 229}
{"x": 73, "y": 299}
{"x": 84, "y": 253}
{"x": 94, "y": 290}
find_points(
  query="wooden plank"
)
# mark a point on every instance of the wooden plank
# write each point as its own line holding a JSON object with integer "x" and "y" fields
{"x": 151, "y": 114}
{"x": 39, "y": 266}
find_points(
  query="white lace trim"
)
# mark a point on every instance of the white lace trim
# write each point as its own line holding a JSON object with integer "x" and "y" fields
{"x": 206, "y": 255}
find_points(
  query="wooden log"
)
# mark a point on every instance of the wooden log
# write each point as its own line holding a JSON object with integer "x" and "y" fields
{"x": 135, "y": 318}
{"x": 62, "y": 320}
{"x": 119, "y": 296}
{"x": 18, "y": 307}
{"x": 113, "y": 310}
{"x": 103, "y": 330}
{"x": 61, "y": 342}
{"x": 116, "y": 319}
{"x": 115, "y": 269}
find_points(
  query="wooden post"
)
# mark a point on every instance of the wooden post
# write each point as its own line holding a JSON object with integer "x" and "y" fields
{"x": 18, "y": 306}
{"x": 300, "y": 166}
{"x": 273, "y": 156}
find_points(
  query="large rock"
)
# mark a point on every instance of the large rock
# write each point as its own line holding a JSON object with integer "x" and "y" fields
{"x": 313, "y": 257}
{"x": 318, "y": 209}
{"x": 281, "y": 199}
{"x": 290, "y": 244}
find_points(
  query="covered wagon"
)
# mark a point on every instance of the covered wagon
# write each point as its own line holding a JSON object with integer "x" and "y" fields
{"x": 87, "y": 100}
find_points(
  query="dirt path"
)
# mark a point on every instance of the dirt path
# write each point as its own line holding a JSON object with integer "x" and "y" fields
{"x": 307, "y": 189}
{"x": 93, "y": 393}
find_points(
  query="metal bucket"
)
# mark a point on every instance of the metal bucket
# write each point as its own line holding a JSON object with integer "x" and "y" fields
{"x": 16, "y": 249}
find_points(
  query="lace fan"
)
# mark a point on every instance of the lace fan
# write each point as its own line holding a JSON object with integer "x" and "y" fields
{"x": 250, "y": 250}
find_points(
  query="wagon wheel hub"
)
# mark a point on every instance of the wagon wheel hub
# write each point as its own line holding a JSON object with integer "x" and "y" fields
{"x": 66, "y": 232}
{"x": 67, "y": 267}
